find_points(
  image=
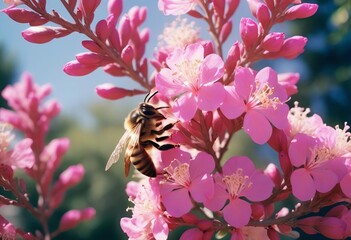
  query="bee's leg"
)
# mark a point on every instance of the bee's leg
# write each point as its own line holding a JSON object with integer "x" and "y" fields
{"x": 165, "y": 128}
{"x": 160, "y": 147}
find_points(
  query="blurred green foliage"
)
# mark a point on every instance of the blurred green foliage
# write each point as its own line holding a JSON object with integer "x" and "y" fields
{"x": 7, "y": 71}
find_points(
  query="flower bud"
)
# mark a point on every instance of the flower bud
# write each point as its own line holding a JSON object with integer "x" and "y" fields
{"x": 233, "y": 57}
{"x": 248, "y": 32}
{"x": 21, "y": 15}
{"x": 273, "y": 173}
{"x": 332, "y": 227}
{"x": 115, "y": 7}
{"x": 232, "y": 5}
{"x": 110, "y": 92}
{"x": 219, "y": 6}
{"x": 114, "y": 70}
{"x": 75, "y": 68}
{"x": 91, "y": 45}
{"x": 263, "y": 15}
{"x": 127, "y": 55}
{"x": 39, "y": 34}
{"x": 289, "y": 81}
{"x": 73, "y": 217}
{"x": 102, "y": 31}
{"x": 89, "y": 58}
{"x": 273, "y": 41}
{"x": 303, "y": 10}
{"x": 124, "y": 30}
{"x": 293, "y": 47}
{"x": 226, "y": 30}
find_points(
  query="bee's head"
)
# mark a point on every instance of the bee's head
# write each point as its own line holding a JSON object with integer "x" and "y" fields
{"x": 149, "y": 111}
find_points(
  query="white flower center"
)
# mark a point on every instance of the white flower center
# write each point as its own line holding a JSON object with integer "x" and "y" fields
{"x": 5, "y": 136}
{"x": 188, "y": 73}
{"x": 262, "y": 97}
{"x": 179, "y": 174}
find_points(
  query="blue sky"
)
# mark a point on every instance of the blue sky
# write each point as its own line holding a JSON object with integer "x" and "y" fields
{"x": 45, "y": 61}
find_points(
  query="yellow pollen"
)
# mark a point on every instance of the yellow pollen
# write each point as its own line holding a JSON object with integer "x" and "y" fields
{"x": 179, "y": 34}
{"x": 188, "y": 73}
{"x": 262, "y": 96}
{"x": 179, "y": 174}
{"x": 320, "y": 155}
{"x": 236, "y": 182}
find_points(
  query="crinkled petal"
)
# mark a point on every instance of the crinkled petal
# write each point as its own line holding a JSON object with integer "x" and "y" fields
{"x": 324, "y": 180}
{"x": 167, "y": 85}
{"x": 22, "y": 155}
{"x": 160, "y": 229}
{"x": 244, "y": 82}
{"x": 260, "y": 189}
{"x": 185, "y": 107}
{"x": 257, "y": 126}
{"x": 278, "y": 117}
{"x": 172, "y": 196}
{"x": 202, "y": 164}
{"x": 303, "y": 186}
{"x": 210, "y": 97}
{"x": 233, "y": 106}
{"x": 237, "y": 213}
{"x": 202, "y": 188}
{"x": 211, "y": 69}
{"x": 299, "y": 150}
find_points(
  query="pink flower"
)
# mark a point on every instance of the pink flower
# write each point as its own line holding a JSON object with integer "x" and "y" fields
{"x": 239, "y": 180}
{"x": 73, "y": 217}
{"x": 193, "y": 78}
{"x": 176, "y": 7}
{"x": 21, "y": 156}
{"x": 262, "y": 99}
{"x": 149, "y": 220}
{"x": 186, "y": 180}
{"x": 312, "y": 160}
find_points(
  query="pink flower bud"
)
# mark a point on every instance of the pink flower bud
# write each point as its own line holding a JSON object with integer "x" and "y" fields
{"x": 195, "y": 14}
{"x": 273, "y": 41}
{"x": 22, "y": 15}
{"x": 114, "y": 70}
{"x": 233, "y": 57}
{"x": 226, "y": 30}
{"x": 232, "y": 5}
{"x": 51, "y": 108}
{"x": 73, "y": 217}
{"x": 332, "y": 227}
{"x": 6, "y": 172}
{"x": 253, "y": 6}
{"x": 72, "y": 175}
{"x": 39, "y": 34}
{"x": 263, "y": 15}
{"x": 303, "y": 10}
{"x": 272, "y": 234}
{"x": 273, "y": 173}
{"x": 115, "y": 7}
{"x": 127, "y": 55}
{"x": 257, "y": 211}
{"x": 111, "y": 92}
{"x": 134, "y": 17}
{"x": 101, "y": 29}
{"x": 88, "y": 7}
{"x": 89, "y": 58}
{"x": 219, "y": 6}
{"x": 75, "y": 68}
{"x": 292, "y": 47}
{"x": 248, "y": 32}
{"x": 125, "y": 30}
{"x": 91, "y": 45}
{"x": 144, "y": 68}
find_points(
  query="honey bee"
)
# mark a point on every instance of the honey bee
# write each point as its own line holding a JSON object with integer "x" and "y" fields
{"x": 143, "y": 130}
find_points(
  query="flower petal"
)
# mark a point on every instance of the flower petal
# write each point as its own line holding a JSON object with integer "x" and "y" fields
{"x": 234, "y": 163}
{"x": 166, "y": 84}
{"x": 176, "y": 200}
{"x": 260, "y": 189}
{"x": 202, "y": 164}
{"x": 257, "y": 126}
{"x": 237, "y": 213}
{"x": 185, "y": 107}
{"x": 302, "y": 185}
{"x": 233, "y": 106}
{"x": 324, "y": 180}
{"x": 210, "y": 97}
{"x": 211, "y": 69}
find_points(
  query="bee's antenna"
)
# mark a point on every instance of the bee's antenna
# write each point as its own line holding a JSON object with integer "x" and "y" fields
{"x": 148, "y": 96}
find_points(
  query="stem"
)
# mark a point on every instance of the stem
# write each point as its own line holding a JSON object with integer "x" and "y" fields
{"x": 212, "y": 27}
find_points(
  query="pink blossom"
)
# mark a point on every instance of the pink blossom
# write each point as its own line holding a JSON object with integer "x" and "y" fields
{"x": 193, "y": 78}
{"x": 44, "y": 34}
{"x": 289, "y": 81}
{"x": 185, "y": 180}
{"x": 262, "y": 99}
{"x": 312, "y": 161}
{"x": 176, "y": 7}
{"x": 111, "y": 92}
{"x": 21, "y": 156}
{"x": 239, "y": 179}
{"x": 149, "y": 220}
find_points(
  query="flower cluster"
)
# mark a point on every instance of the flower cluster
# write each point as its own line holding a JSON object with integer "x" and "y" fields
{"x": 31, "y": 116}
{"x": 212, "y": 95}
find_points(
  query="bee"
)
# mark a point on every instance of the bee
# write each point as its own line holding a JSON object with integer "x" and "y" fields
{"x": 143, "y": 130}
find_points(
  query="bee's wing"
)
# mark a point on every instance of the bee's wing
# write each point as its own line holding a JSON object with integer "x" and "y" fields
{"x": 118, "y": 149}
{"x": 133, "y": 142}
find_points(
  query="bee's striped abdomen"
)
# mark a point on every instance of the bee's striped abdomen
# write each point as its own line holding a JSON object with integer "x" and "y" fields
{"x": 142, "y": 161}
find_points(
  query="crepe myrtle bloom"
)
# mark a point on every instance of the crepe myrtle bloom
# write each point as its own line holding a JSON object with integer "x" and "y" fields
{"x": 192, "y": 78}
{"x": 239, "y": 180}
